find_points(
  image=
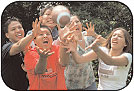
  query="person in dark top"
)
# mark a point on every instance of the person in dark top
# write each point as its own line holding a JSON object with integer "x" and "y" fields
{"x": 12, "y": 54}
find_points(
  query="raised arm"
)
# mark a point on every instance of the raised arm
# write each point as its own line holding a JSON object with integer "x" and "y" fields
{"x": 63, "y": 34}
{"x": 90, "y": 32}
{"x": 72, "y": 46}
{"x": 42, "y": 63}
{"x": 107, "y": 59}
{"x": 22, "y": 44}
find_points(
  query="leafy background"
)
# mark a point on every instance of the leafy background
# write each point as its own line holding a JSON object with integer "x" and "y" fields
{"x": 106, "y": 15}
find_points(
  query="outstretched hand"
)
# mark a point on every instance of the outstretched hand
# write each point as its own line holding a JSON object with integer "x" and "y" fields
{"x": 94, "y": 43}
{"x": 89, "y": 30}
{"x": 71, "y": 46}
{"x": 44, "y": 53}
{"x": 65, "y": 34}
{"x": 36, "y": 27}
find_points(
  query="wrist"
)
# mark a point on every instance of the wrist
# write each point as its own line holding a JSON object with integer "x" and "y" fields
{"x": 95, "y": 48}
{"x": 95, "y": 35}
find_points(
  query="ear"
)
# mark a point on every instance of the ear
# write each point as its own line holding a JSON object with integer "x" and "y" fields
{"x": 7, "y": 35}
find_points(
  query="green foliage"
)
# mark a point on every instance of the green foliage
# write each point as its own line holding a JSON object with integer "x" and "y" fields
{"x": 105, "y": 15}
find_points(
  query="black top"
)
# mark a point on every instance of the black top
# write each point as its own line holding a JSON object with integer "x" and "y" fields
{"x": 12, "y": 73}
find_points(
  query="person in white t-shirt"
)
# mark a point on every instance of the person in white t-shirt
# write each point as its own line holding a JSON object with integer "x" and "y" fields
{"x": 114, "y": 59}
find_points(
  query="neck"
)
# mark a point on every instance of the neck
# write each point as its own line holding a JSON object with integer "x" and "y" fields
{"x": 115, "y": 52}
{"x": 51, "y": 28}
{"x": 80, "y": 36}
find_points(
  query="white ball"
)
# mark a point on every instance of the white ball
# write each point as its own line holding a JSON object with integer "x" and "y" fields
{"x": 61, "y": 15}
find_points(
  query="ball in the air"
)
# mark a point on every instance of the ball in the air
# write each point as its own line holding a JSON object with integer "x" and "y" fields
{"x": 61, "y": 15}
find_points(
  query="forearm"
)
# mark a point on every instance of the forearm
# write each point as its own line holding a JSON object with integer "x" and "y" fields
{"x": 103, "y": 56}
{"x": 25, "y": 42}
{"x": 76, "y": 57}
{"x": 41, "y": 66}
{"x": 81, "y": 59}
{"x": 102, "y": 40}
{"x": 21, "y": 45}
{"x": 64, "y": 57}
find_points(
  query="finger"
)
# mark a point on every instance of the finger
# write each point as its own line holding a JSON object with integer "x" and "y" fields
{"x": 87, "y": 47}
{"x": 38, "y": 26}
{"x": 72, "y": 26}
{"x": 68, "y": 33}
{"x": 93, "y": 28}
{"x": 91, "y": 25}
{"x": 85, "y": 29}
{"x": 33, "y": 25}
{"x": 36, "y": 21}
{"x": 68, "y": 51}
{"x": 62, "y": 43}
{"x": 70, "y": 38}
{"x": 59, "y": 28}
{"x": 40, "y": 18}
{"x": 49, "y": 54}
{"x": 38, "y": 50}
{"x": 98, "y": 37}
{"x": 44, "y": 51}
{"x": 64, "y": 46}
{"x": 87, "y": 25}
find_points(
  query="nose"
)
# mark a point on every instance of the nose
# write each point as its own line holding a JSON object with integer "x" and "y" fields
{"x": 50, "y": 16}
{"x": 18, "y": 30}
{"x": 45, "y": 35}
{"x": 115, "y": 37}
{"x": 75, "y": 23}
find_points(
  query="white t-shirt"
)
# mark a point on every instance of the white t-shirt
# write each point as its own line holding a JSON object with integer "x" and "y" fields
{"x": 113, "y": 77}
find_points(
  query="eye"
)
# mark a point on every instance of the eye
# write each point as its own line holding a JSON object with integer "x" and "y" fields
{"x": 47, "y": 33}
{"x": 41, "y": 34}
{"x": 20, "y": 27}
{"x": 120, "y": 36}
{"x": 12, "y": 29}
{"x": 77, "y": 21}
{"x": 114, "y": 35}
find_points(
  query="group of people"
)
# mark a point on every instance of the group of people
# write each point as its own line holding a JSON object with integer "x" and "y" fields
{"x": 55, "y": 58}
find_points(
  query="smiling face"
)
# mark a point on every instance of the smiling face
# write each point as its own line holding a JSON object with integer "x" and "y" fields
{"x": 118, "y": 40}
{"x": 47, "y": 19}
{"x": 77, "y": 24}
{"x": 44, "y": 39}
{"x": 15, "y": 31}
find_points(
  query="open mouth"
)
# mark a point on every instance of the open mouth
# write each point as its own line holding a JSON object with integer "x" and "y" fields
{"x": 45, "y": 42}
{"x": 19, "y": 35}
{"x": 77, "y": 28}
{"x": 114, "y": 42}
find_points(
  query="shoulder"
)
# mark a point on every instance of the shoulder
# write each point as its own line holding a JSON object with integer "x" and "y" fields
{"x": 7, "y": 45}
{"x": 128, "y": 56}
{"x": 5, "y": 49}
